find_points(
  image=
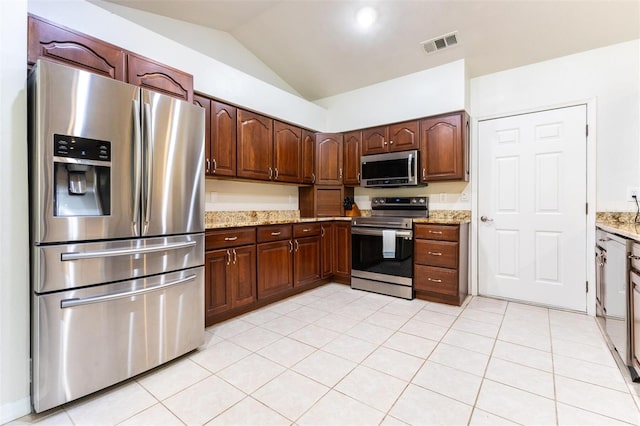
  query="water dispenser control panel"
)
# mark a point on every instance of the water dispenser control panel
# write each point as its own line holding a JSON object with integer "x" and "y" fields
{"x": 81, "y": 148}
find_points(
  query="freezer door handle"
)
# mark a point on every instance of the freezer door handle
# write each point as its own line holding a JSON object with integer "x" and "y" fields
{"x": 125, "y": 251}
{"x": 70, "y": 303}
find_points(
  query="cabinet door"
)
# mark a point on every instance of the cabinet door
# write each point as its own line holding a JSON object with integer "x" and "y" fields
{"x": 308, "y": 157}
{"x": 205, "y": 103}
{"x": 287, "y": 153}
{"x": 306, "y": 263}
{"x": 59, "y": 44}
{"x": 375, "y": 140}
{"x": 442, "y": 148}
{"x": 329, "y": 158}
{"x": 223, "y": 139}
{"x": 327, "y": 243}
{"x": 343, "y": 251}
{"x": 634, "y": 280}
{"x": 352, "y": 142}
{"x": 275, "y": 268}
{"x": 217, "y": 294}
{"x": 160, "y": 78}
{"x": 243, "y": 291}
{"x": 254, "y": 145}
{"x": 404, "y": 136}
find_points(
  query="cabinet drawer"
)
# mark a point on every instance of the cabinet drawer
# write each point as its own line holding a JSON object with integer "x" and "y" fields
{"x": 635, "y": 259}
{"x": 436, "y": 280}
{"x": 229, "y": 238}
{"x": 274, "y": 233}
{"x": 437, "y": 232}
{"x": 436, "y": 253}
{"x": 306, "y": 230}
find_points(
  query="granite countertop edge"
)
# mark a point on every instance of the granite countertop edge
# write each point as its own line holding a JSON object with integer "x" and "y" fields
{"x": 222, "y": 225}
{"x": 628, "y": 230}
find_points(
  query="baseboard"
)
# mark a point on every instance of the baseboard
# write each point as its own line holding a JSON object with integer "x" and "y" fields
{"x": 14, "y": 410}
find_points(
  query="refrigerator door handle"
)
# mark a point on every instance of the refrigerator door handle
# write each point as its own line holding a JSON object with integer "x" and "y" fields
{"x": 123, "y": 252}
{"x": 137, "y": 172}
{"x": 70, "y": 303}
{"x": 148, "y": 161}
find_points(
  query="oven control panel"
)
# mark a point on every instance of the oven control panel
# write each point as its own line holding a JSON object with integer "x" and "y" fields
{"x": 400, "y": 203}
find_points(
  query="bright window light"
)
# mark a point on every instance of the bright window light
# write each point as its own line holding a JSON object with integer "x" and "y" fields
{"x": 366, "y": 17}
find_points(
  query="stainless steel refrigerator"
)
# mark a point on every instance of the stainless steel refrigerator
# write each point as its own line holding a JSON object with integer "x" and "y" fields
{"x": 117, "y": 231}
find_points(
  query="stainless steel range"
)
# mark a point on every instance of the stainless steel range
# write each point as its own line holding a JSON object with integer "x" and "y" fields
{"x": 382, "y": 246}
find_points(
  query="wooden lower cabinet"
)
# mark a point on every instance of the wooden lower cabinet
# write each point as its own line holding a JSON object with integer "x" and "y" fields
{"x": 275, "y": 268}
{"x": 327, "y": 246}
{"x": 230, "y": 279}
{"x": 441, "y": 256}
{"x": 342, "y": 255}
{"x": 306, "y": 260}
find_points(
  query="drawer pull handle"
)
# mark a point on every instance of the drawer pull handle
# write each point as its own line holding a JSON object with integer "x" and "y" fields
{"x": 435, "y": 253}
{"x": 306, "y": 230}
{"x": 230, "y": 238}
{"x": 436, "y": 232}
{"x": 634, "y": 257}
{"x": 275, "y": 234}
{"x": 434, "y": 280}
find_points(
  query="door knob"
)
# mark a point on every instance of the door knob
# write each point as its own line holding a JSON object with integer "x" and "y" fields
{"x": 485, "y": 219}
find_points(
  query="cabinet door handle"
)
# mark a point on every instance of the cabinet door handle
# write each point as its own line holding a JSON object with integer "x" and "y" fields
{"x": 424, "y": 173}
{"x": 208, "y": 163}
{"x": 390, "y": 142}
{"x": 235, "y": 256}
{"x": 276, "y": 174}
{"x": 340, "y": 170}
{"x": 275, "y": 234}
{"x": 358, "y": 176}
{"x": 384, "y": 142}
{"x": 434, "y": 280}
{"x": 230, "y": 238}
{"x": 322, "y": 231}
{"x": 270, "y": 173}
{"x": 435, "y": 253}
{"x": 436, "y": 232}
{"x": 290, "y": 246}
{"x": 228, "y": 257}
{"x": 313, "y": 178}
{"x": 297, "y": 245}
{"x": 215, "y": 165}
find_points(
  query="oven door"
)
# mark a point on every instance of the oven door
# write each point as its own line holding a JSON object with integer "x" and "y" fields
{"x": 369, "y": 261}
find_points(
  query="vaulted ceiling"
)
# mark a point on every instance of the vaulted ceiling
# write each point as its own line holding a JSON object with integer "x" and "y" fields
{"x": 316, "y": 47}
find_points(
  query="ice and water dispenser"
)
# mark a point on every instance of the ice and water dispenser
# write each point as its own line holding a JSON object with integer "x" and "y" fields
{"x": 82, "y": 176}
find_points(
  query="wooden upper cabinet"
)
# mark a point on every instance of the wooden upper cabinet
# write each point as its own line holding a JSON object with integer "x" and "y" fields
{"x": 205, "y": 103}
{"x": 160, "y": 78}
{"x": 223, "y": 139}
{"x": 254, "y": 146}
{"x": 351, "y": 160}
{"x": 287, "y": 153}
{"x": 59, "y": 44}
{"x": 329, "y": 158}
{"x": 404, "y": 136}
{"x": 443, "y": 148}
{"x": 308, "y": 157}
{"x": 375, "y": 140}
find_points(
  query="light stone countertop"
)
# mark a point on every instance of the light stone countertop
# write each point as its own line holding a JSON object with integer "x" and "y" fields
{"x": 628, "y": 230}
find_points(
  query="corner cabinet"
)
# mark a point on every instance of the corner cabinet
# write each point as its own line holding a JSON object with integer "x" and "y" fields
{"x": 444, "y": 147}
{"x": 441, "y": 257}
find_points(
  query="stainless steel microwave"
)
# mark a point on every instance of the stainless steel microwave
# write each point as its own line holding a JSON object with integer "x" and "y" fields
{"x": 390, "y": 169}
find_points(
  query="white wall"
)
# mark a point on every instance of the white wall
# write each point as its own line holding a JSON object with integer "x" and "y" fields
{"x": 14, "y": 231}
{"x": 210, "y": 76}
{"x": 611, "y": 75}
{"x": 442, "y": 195}
{"x": 219, "y": 45}
{"x": 425, "y": 93}
{"x": 226, "y": 195}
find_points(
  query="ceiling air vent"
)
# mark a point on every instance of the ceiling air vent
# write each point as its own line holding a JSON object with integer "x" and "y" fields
{"x": 441, "y": 42}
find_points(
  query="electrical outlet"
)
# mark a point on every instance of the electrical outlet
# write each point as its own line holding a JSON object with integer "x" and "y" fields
{"x": 631, "y": 191}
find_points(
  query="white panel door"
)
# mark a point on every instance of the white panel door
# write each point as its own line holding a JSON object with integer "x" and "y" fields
{"x": 532, "y": 198}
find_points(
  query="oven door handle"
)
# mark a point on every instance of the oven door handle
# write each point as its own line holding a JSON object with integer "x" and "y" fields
{"x": 378, "y": 232}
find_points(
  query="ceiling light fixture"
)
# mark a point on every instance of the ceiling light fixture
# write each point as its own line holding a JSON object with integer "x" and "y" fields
{"x": 366, "y": 17}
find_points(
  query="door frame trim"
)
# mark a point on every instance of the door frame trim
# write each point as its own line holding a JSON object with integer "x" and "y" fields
{"x": 590, "y": 181}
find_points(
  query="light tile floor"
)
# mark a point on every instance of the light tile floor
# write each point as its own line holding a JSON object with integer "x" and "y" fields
{"x": 336, "y": 356}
